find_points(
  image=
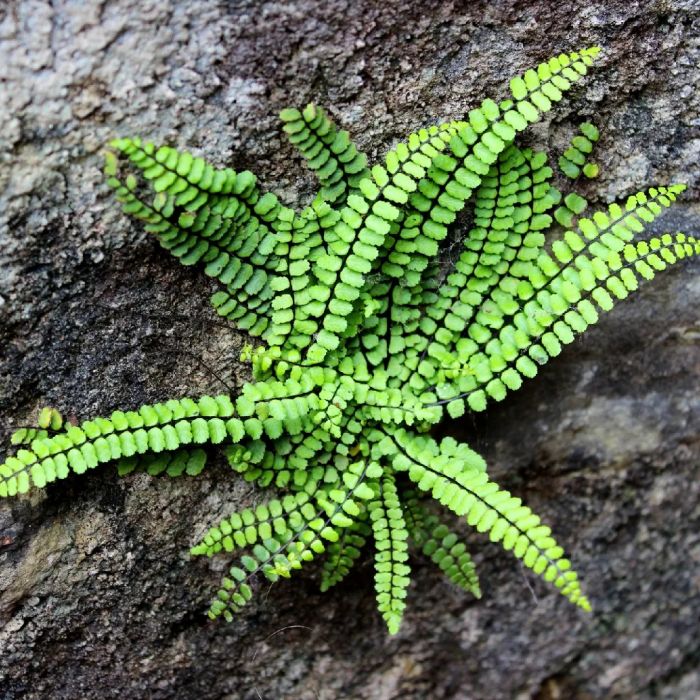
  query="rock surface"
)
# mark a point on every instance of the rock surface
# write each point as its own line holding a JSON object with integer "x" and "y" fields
{"x": 97, "y": 596}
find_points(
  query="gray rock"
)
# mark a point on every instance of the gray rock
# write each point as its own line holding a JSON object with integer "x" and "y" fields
{"x": 97, "y": 596}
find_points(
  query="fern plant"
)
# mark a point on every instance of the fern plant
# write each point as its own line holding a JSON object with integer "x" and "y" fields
{"x": 366, "y": 340}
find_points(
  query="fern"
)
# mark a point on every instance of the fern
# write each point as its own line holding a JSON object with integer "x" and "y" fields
{"x": 390, "y": 538}
{"x": 343, "y": 553}
{"x": 335, "y": 160}
{"x": 442, "y": 545}
{"x": 366, "y": 339}
{"x": 573, "y": 161}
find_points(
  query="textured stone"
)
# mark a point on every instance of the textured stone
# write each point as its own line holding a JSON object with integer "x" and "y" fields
{"x": 97, "y": 596}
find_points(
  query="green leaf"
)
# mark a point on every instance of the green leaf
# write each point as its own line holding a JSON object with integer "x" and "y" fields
{"x": 575, "y": 202}
{"x": 591, "y": 170}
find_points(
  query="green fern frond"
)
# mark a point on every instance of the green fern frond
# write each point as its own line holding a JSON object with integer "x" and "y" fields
{"x": 574, "y": 160}
{"x": 274, "y": 557}
{"x": 451, "y": 556}
{"x": 250, "y": 526}
{"x": 392, "y": 571}
{"x": 161, "y": 427}
{"x": 447, "y": 181}
{"x": 289, "y": 459}
{"x": 216, "y": 217}
{"x": 353, "y": 244}
{"x": 511, "y": 211}
{"x": 343, "y": 554}
{"x": 573, "y": 163}
{"x": 442, "y": 545}
{"x": 329, "y": 153}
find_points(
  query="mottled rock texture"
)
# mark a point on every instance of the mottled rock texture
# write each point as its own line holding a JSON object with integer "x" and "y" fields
{"x": 97, "y": 597}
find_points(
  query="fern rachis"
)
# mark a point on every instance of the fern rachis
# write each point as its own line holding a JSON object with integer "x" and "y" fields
{"x": 365, "y": 342}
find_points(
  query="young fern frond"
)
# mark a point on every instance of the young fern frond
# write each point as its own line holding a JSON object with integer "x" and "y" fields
{"x": 392, "y": 571}
{"x": 343, "y": 554}
{"x": 437, "y": 541}
{"x": 329, "y": 153}
{"x": 574, "y": 160}
{"x": 368, "y": 329}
